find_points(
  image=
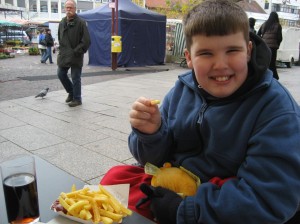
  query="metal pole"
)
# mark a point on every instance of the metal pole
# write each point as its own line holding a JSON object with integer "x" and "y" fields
{"x": 117, "y": 16}
{"x": 114, "y": 31}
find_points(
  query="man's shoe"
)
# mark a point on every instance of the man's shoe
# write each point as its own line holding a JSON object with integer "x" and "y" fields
{"x": 75, "y": 103}
{"x": 69, "y": 98}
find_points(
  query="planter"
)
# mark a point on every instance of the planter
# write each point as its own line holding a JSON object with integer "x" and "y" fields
{"x": 33, "y": 51}
{"x": 5, "y": 56}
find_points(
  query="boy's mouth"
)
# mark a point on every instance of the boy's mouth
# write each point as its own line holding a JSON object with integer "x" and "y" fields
{"x": 221, "y": 78}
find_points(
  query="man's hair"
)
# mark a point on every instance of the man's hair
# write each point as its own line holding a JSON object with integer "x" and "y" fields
{"x": 215, "y": 17}
{"x": 252, "y": 22}
{"x": 73, "y": 1}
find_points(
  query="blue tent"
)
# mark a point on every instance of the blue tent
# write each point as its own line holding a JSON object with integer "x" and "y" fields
{"x": 143, "y": 35}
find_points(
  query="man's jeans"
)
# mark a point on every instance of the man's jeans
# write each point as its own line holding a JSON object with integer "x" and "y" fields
{"x": 43, "y": 52}
{"x": 72, "y": 87}
{"x": 47, "y": 55}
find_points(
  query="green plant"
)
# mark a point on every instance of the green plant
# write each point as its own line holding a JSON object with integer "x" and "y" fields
{"x": 3, "y": 56}
{"x": 13, "y": 42}
{"x": 33, "y": 51}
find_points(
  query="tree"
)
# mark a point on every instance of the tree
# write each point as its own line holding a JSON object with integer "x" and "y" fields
{"x": 177, "y": 8}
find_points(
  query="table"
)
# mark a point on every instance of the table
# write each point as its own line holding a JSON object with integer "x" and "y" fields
{"x": 51, "y": 181}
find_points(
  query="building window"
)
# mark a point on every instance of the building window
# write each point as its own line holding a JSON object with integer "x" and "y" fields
{"x": 33, "y": 8}
{"x": 54, "y": 7}
{"x": 44, "y": 6}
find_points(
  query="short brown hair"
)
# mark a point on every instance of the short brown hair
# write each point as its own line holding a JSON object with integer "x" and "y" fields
{"x": 215, "y": 17}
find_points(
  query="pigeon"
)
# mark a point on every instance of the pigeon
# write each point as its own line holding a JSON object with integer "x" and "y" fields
{"x": 42, "y": 93}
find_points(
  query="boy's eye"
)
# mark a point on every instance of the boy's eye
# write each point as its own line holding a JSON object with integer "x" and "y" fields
{"x": 234, "y": 50}
{"x": 204, "y": 53}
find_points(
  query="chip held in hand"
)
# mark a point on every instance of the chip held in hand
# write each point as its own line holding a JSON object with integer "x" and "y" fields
{"x": 155, "y": 102}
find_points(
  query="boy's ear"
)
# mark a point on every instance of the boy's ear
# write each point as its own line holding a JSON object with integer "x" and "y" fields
{"x": 249, "y": 51}
{"x": 188, "y": 58}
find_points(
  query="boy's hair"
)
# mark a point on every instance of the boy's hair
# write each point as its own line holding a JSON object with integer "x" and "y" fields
{"x": 215, "y": 17}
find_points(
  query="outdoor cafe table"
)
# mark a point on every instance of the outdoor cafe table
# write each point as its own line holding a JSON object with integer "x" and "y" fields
{"x": 51, "y": 182}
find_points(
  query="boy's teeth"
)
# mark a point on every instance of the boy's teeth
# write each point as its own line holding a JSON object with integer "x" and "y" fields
{"x": 222, "y": 78}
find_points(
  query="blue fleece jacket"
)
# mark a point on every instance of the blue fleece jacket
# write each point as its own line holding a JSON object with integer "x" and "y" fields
{"x": 253, "y": 137}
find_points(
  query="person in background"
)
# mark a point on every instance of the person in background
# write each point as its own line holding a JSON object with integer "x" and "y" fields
{"x": 271, "y": 33}
{"x": 29, "y": 34}
{"x": 252, "y": 24}
{"x": 74, "y": 41}
{"x": 41, "y": 45}
{"x": 49, "y": 44}
{"x": 228, "y": 121}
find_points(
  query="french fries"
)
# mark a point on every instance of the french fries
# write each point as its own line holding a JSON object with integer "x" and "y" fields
{"x": 155, "y": 102}
{"x": 96, "y": 206}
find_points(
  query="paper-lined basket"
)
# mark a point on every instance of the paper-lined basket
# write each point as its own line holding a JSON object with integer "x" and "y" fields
{"x": 120, "y": 192}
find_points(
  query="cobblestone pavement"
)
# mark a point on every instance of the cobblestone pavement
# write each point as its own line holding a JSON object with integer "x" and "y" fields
{"x": 25, "y": 75}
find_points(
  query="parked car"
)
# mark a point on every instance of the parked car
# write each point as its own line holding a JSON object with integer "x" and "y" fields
{"x": 14, "y": 35}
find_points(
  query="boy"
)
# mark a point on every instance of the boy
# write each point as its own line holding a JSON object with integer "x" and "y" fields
{"x": 228, "y": 122}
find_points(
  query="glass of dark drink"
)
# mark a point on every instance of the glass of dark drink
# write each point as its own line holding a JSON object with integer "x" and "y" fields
{"x": 20, "y": 189}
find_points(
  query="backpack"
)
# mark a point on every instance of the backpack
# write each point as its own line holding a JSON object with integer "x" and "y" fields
{"x": 42, "y": 40}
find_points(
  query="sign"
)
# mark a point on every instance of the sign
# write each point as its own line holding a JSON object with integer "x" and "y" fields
{"x": 112, "y": 5}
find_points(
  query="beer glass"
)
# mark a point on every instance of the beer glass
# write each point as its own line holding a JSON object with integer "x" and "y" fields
{"x": 20, "y": 189}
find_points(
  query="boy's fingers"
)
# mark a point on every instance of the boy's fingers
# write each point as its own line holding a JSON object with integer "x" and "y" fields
{"x": 139, "y": 115}
{"x": 139, "y": 123}
{"x": 143, "y": 108}
{"x": 148, "y": 102}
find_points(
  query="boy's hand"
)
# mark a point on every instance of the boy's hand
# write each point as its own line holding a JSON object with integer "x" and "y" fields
{"x": 164, "y": 203}
{"x": 145, "y": 116}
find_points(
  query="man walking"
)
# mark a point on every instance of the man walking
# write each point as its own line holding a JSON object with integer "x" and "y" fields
{"x": 74, "y": 41}
{"x": 49, "y": 44}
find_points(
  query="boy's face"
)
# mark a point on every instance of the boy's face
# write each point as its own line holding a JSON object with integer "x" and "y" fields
{"x": 219, "y": 62}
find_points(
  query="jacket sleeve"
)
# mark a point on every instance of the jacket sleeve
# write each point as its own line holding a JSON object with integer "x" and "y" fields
{"x": 259, "y": 32}
{"x": 59, "y": 31}
{"x": 85, "y": 41}
{"x": 279, "y": 35}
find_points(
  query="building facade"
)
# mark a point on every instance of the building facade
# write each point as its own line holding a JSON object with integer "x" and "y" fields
{"x": 53, "y": 10}
{"x": 288, "y": 10}
{"x": 41, "y": 10}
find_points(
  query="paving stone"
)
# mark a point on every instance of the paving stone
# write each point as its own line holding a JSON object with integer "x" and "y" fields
{"x": 9, "y": 122}
{"x": 30, "y": 138}
{"x": 78, "y": 161}
{"x": 8, "y": 149}
{"x": 112, "y": 148}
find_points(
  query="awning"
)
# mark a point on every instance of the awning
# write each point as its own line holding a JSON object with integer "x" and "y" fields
{"x": 4, "y": 23}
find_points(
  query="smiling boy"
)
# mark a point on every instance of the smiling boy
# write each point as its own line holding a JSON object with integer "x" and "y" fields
{"x": 228, "y": 121}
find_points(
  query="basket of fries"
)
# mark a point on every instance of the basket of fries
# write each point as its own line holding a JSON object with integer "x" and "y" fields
{"x": 94, "y": 204}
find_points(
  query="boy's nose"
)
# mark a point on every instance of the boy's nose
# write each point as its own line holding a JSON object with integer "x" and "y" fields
{"x": 220, "y": 62}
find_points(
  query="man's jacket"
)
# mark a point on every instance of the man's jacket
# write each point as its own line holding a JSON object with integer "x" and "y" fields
{"x": 74, "y": 41}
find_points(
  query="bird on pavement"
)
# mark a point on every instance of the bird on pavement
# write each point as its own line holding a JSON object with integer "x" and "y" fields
{"x": 42, "y": 93}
